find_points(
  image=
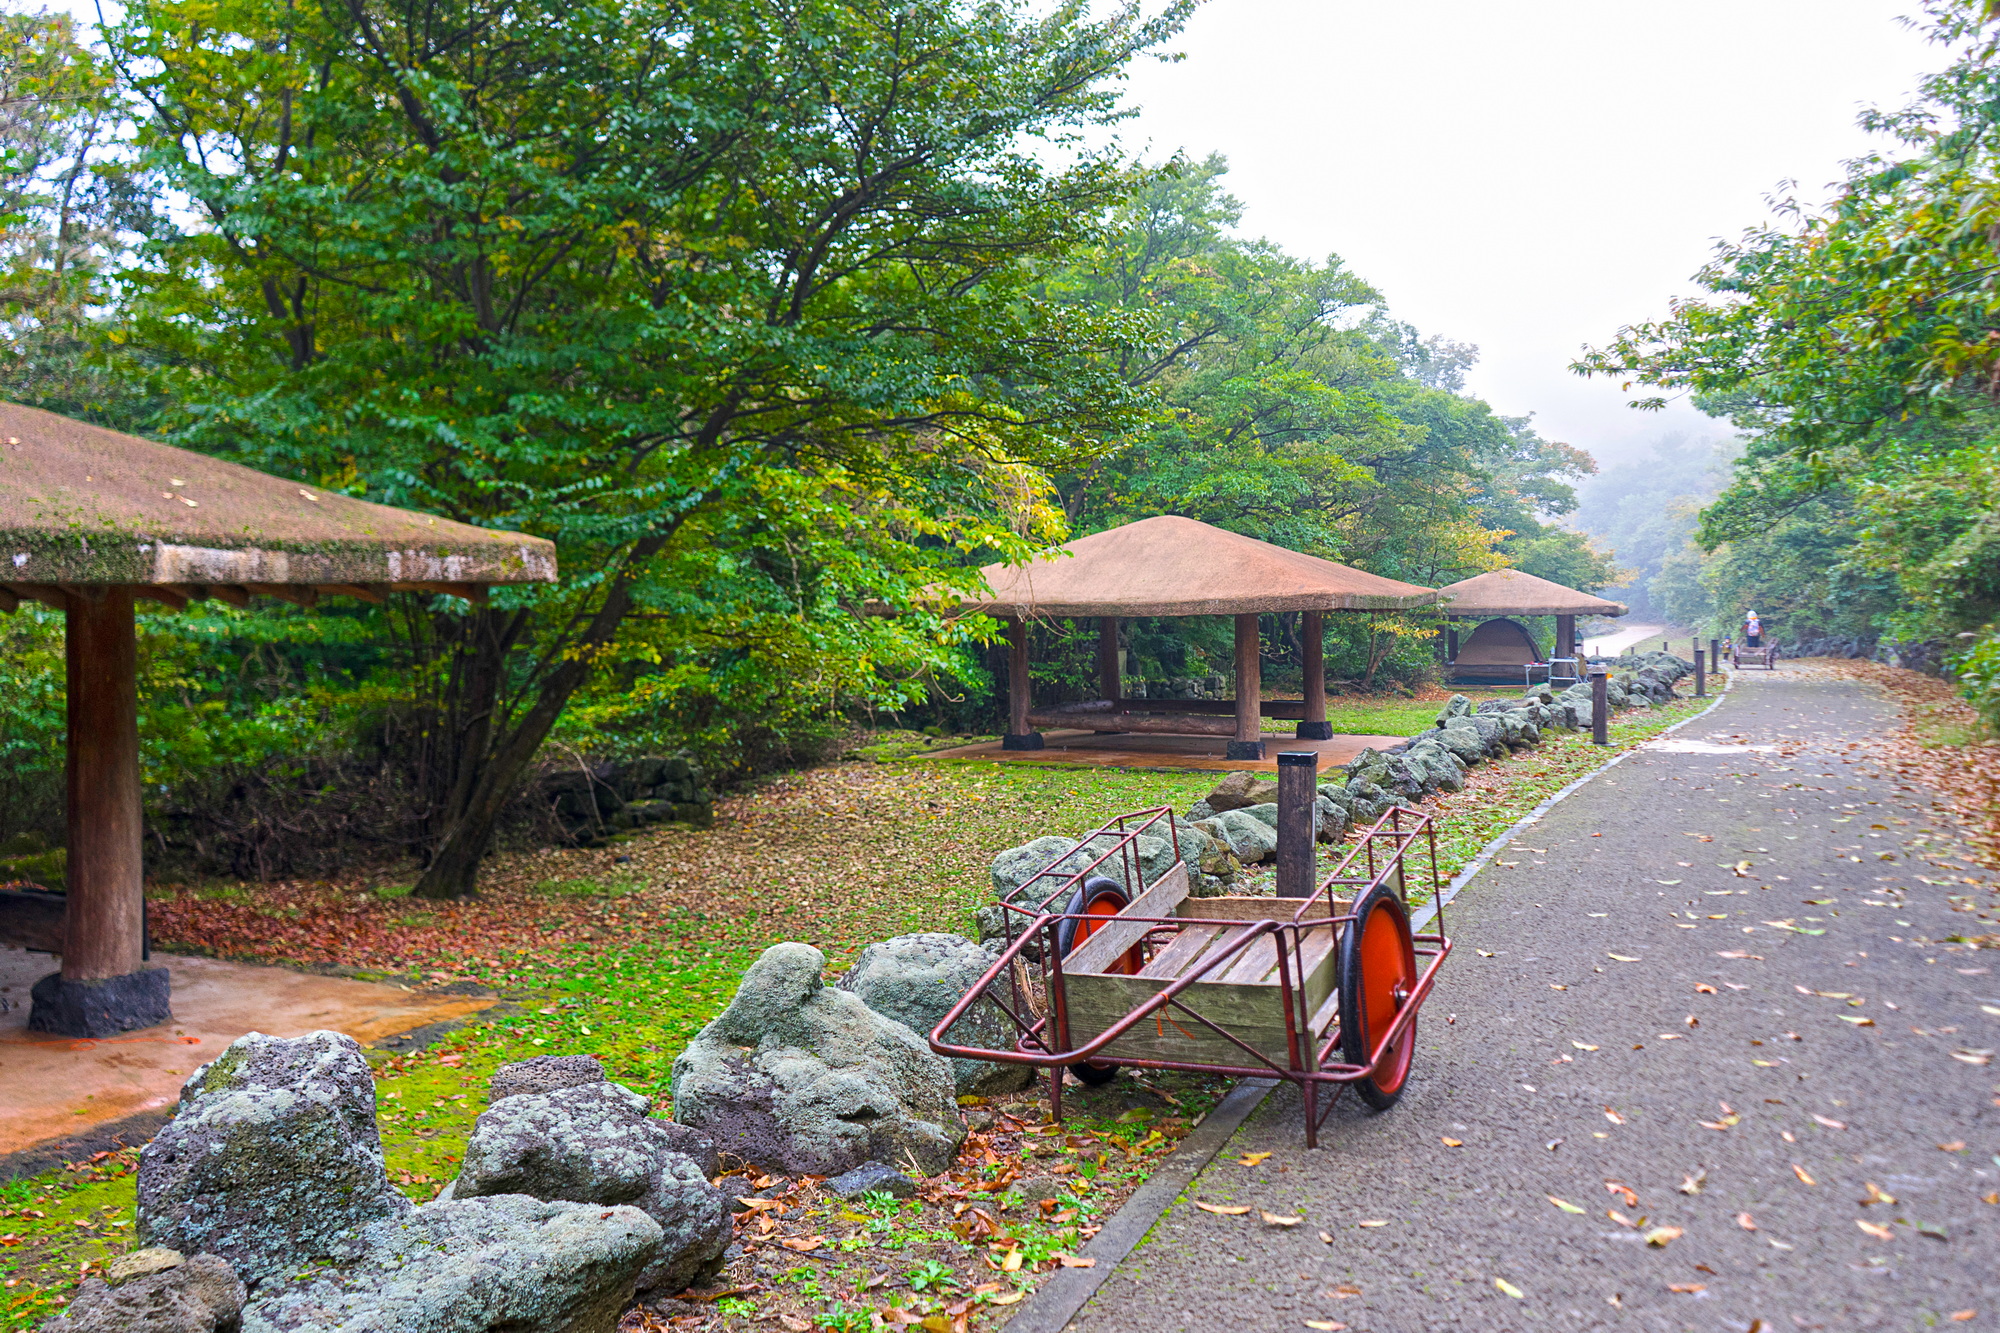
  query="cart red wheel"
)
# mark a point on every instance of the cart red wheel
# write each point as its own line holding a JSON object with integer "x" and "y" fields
{"x": 1378, "y": 973}
{"x": 1090, "y": 908}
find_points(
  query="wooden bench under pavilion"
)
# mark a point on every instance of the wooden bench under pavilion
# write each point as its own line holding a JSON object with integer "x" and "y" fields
{"x": 1501, "y": 646}
{"x": 93, "y": 521}
{"x": 1173, "y": 566}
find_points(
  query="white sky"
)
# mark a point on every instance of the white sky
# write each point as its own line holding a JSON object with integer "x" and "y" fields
{"x": 1527, "y": 175}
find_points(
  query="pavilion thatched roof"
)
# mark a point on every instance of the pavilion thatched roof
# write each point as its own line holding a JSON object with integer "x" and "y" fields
{"x": 1172, "y": 566}
{"x": 1509, "y": 592}
{"x": 81, "y": 505}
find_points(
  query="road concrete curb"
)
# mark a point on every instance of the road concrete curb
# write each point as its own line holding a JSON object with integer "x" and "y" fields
{"x": 1057, "y": 1300}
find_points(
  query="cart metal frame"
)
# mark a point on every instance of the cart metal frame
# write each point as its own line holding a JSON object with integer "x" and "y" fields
{"x": 1236, "y": 986}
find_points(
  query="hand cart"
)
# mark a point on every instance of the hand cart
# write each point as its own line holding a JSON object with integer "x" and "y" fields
{"x": 1766, "y": 657}
{"x": 1322, "y": 990}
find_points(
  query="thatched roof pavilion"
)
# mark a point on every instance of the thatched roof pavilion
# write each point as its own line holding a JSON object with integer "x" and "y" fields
{"x": 1173, "y": 566}
{"x": 91, "y": 521}
{"x": 1509, "y": 592}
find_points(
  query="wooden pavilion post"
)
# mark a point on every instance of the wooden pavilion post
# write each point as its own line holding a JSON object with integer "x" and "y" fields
{"x": 1312, "y": 631}
{"x": 102, "y": 988}
{"x": 1451, "y": 642}
{"x": 1110, "y": 682}
{"x": 1020, "y": 736}
{"x": 1565, "y": 636}
{"x": 1248, "y": 743}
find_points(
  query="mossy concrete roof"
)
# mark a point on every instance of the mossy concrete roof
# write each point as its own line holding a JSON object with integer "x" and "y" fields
{"x": 1173, "y": 566}
{"x": 83, "y": 505}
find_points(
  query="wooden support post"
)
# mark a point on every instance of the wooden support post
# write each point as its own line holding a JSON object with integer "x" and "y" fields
{"x": 1110, "y": 681}
{"x": 1298, "y": 793}
{"x": 1600, "y": 705}
{"x": 1565, "y": 636}
{"x": 1249, "y": 743}
{"x": 1700, "y": 680}
{"x": 1019, "y": 693}
{"x": 1451, "y": 644}
{"x": 102, "y": 989}
{"x": 1312, "y": 633}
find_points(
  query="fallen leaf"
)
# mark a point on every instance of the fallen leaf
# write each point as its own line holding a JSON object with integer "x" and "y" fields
{"x": 1875, "y": 1194}
{"x": 1553, "y": 986}
{"x": 1960, "y": 1316}
{"x": 1972, "y": 1057}
{"x": 1932, "y": 1230}
{"x": 1620, "y": 958}
{"x": 1687, "y": 1288}
{"x": 1011, "y": 1298}
{"x": 1666, "y": 881}
{"x": 1330, "y": 1324}
{"x": 1956, "y": 1145}
{"x": 1692, "y": 1184}
{"x": 1509, "y": 1288}
{"x": 1452, "y": 1143}
{"x": 1485, "y": 953}
{"x": 1072, "y": 1261}
{"x": 1372, "y": 1223}
{"x": 1703, "y": 988}
{"x": 1800, "y": 1172}
{"x": 1830, "y": 1124}
{"x": 1273, "y": 1220}
{"x": 874, "y": 1280}
{"x": 1613, "y": 1116}
{"x": 1857, "y": 1021}
{"x": 1252, "y": 1158}
{"x": 1580, "y": 1045}
{"x": 1223, "y": 1209}
{"x": 1876, "y": 1230}
{"x": 1747, "y": 1222}
{"x": 1326, "y": 1236}
{"x": 1632, "y": 1223}
{"x": 1563, "y": 1204}
{"x": 1659, "y": 1237}
{"x": 1738, "y": 953}
{"x": 1011, "y": 1261}
{"x": 803, "y": 1244}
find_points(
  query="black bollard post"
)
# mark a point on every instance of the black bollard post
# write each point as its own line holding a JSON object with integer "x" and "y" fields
{"x": 1700, "y": 682}
{"x": 1600, "y": 704}
{"x": 1714, "y": 655}
{"x": 1298, "y": 790}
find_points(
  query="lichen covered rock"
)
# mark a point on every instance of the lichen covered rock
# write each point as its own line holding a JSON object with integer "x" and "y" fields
{"x": 597, "y": 1143}
{"x": 916, "y": 979}
{"x": 543, "y": 1073}
{"x": 272, "y": 1154}
{"x": 198, "y": 1295}
{"x": 471, "y": 1266}
{"x": 800, "y": 1077}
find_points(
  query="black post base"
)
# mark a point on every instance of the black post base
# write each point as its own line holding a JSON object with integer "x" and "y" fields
{"x": 1314, "y": 731}
{"x": 1244, "y": 750}
{"x": 1030, "y": 740}
{"x": 101, "y": 1008}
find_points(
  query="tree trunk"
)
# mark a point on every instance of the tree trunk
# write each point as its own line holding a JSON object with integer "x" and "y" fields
{"x": 486, "y": 779}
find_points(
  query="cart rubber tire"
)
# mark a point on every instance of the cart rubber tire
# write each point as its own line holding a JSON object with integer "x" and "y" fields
{"x": 1377, "y": 960}
{"x": 1098, "y": 897}
{"x": 1103, "y": 897}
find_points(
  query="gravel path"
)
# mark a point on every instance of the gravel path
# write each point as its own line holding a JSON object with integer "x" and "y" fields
{"x": 1625, "y": 1011}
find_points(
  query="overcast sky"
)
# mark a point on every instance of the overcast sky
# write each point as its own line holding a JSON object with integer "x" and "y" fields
{"x": 1527, "y": 175}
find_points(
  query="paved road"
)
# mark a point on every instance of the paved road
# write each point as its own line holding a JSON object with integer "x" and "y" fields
{"x": 1610, "y": 645}
{"x": 1568, "y": 1071}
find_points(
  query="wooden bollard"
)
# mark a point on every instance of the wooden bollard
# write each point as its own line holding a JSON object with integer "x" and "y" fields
{"x": 1298, "y": 790}
{"x": 1600, "y": 704}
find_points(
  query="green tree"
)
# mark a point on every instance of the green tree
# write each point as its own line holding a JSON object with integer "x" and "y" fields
{"x": 697, "y": 291}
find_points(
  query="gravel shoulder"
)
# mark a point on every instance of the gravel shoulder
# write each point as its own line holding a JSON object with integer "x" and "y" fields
{"x": 1719, "y": 996}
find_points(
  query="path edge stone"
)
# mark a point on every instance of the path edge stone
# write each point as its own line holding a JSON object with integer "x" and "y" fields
{"x": 1056, "y": 1302}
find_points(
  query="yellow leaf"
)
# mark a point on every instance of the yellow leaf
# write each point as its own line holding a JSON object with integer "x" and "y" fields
{"x": 1009, "y": 1299}
{"x": 1272, "y": 1219}
{"x": 1326, "y": 1236}
{"x": 1660, "y": 1236}
{"x": 1857, "y": 1021}
{"x": 1563, "y": 1204}
{"x": 1619, "y": 957}
{"x": 1252, "y": 1158}
{"x": 1509, "y": 1288}
{"x": 1875, "y": 1229}
{"x": 1800, "y": 1172}
{"x": 1223, "y": 1209}
{"x": 1580, "y": 1046}
{"x": 1012, "y": 1262}
{"x": 1372, "y": 1223}
{"x": 1452, "y": 1143}
{"x": 1692, "y": 1184}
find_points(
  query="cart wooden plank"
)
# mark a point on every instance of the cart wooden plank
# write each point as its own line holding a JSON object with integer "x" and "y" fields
{"x": 1188, "y": 944}
{"x": 1119, "y": 933}
{"x": 1250, "y": 1013}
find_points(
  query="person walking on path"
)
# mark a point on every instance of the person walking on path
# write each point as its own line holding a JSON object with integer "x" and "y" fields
{"x": 1753, "y": 631}
{"x": 1710, "y": 1054}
